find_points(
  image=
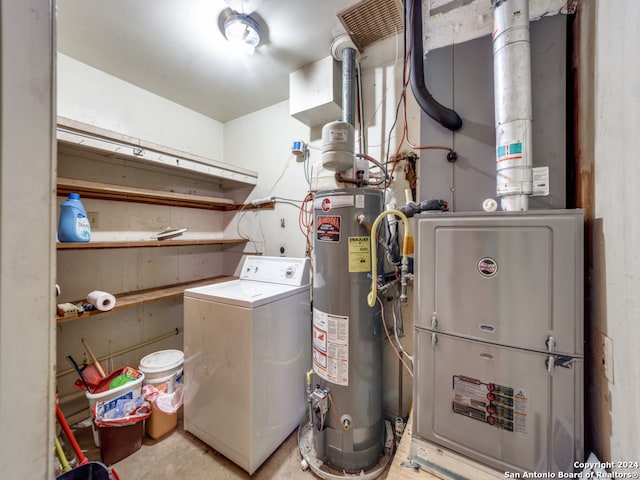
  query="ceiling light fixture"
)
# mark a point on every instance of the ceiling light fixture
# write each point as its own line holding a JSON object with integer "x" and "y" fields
{"x": 242, "y": 31}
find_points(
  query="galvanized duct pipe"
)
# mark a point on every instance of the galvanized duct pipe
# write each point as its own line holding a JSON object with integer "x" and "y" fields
{"x": 512, "y": 96}
{"x": 349, "y": 85}
{"x": 413, "y": 28}
{"x": 338, "y": 143}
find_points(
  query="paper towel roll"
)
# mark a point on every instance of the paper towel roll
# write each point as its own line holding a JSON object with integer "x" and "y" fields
{"x": 103, "y": 301}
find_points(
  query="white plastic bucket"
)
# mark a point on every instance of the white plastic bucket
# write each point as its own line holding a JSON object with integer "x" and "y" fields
{"x": 163, "y": 369}
{"x": 134, "y": 386}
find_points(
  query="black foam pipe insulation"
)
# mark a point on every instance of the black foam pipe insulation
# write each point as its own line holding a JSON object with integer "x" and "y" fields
{"x": 413, "y": 27}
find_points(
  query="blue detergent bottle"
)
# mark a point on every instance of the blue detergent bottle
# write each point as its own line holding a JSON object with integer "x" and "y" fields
{"x": 73, "y": 225}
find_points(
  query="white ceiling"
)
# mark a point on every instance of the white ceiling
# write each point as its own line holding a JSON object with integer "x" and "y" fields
{"x": 174, "y": 48}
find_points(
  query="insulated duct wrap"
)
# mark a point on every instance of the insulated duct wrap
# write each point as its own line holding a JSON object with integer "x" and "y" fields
{"x": 446, "y": 117}
{"x": 513, "y": 110}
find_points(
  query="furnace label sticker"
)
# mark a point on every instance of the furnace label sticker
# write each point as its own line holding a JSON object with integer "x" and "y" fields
{"x": 331, "y": 347}
{"x": 540, "y": 182}
{"x": 359, "y": 254}
{"x": 499, "y": 406}
{"x": 328, "y": 228}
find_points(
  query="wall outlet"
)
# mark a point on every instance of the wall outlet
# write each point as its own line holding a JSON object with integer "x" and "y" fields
{"x": 94, "y": 220}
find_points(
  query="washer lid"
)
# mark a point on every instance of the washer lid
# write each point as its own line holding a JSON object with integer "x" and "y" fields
{"x": 244, "y": 293}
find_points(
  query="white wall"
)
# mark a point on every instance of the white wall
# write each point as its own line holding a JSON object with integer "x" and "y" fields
{"x": 27, "y": 164}
{"x": 617, "y": 196}
{"x": 91, "y": 96}
{"x": 262, "y": 142}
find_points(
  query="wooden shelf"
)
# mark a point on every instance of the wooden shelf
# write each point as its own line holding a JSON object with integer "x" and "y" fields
{"x": 115, "y": 145}
{"x": 105, "y": 191}
{"x": 141, "y": 297}
{"x": 145, "y": 243}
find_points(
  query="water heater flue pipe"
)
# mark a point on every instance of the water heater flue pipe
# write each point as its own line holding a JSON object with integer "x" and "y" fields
{"x": 344, "y": 50}
{"x": 338, "y": 143}
{"x": 413, "y": 27}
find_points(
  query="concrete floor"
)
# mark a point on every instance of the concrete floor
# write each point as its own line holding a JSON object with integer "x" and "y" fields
{"x": 179, "y": 455}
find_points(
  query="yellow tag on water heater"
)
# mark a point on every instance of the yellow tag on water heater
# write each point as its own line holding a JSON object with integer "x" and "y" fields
{"x": 359, "y": 254}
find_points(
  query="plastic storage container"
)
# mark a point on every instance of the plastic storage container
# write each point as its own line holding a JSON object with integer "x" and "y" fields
{"x": 160, "y": 423}
{"x": 119, "y": 442}
{"x": 135, "y": 387}
{"x": 73, "y": 224}
{"x": 163, "y": 369}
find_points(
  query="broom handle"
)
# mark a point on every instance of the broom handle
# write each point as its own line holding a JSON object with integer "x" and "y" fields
{"x": 61, "y": 456}
{"x": 94, "y": 359}
{"x": 69, "y": 434}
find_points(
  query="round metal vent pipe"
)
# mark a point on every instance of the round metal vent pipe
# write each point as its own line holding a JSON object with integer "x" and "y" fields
{"x": 513, "y": 109}
{"x": 349, "y": 85}
{"x": 344, "y": 50}
{"x": 338, "y": 145}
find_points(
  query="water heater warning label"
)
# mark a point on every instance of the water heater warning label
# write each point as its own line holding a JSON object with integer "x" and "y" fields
{"x": 359, "y": 254}
{"x": 499, "y": 406}
{"x": 331, "y": 347}
{"x": 328, "y": 228}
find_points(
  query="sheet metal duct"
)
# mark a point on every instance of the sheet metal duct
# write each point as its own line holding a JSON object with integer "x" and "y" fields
{"x": 513, "y": 110}
{"x": 338, "y": 145}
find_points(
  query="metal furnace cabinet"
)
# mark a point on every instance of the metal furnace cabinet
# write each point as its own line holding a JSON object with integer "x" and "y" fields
{"x": 498, "y": 332}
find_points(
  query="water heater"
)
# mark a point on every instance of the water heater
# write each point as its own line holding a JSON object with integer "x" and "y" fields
{"x": 346, "y": 396}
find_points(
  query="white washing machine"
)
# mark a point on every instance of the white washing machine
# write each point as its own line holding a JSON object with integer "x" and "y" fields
{"x": 247, "y": 346}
